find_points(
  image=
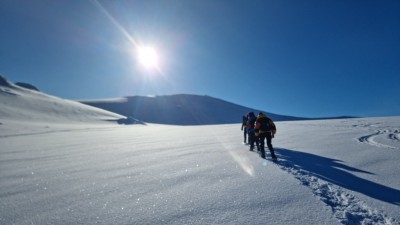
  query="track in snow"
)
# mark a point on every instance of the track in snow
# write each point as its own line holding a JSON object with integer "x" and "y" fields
{"x": 383, "y": 136}
{"x": 346, "y": 207}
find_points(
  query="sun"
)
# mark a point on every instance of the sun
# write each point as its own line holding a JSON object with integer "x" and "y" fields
{"x": 148, "y": 57}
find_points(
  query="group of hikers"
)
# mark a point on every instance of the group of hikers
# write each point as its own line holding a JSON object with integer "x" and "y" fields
{"x": 257, "y": 130}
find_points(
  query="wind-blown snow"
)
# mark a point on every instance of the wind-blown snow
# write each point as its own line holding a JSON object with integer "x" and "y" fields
{"x": 57, "y": 172}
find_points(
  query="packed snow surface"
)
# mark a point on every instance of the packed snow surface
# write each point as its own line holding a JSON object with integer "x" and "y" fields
{"x": 53, "y": 171}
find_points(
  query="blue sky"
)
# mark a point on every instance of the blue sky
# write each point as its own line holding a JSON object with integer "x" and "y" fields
{"x": 302, "y": 58}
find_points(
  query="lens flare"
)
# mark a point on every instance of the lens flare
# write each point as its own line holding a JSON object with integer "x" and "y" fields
{"x": 243, "y": 162}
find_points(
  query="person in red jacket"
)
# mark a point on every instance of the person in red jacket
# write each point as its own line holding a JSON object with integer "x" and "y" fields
{"x": 265, "y": 129}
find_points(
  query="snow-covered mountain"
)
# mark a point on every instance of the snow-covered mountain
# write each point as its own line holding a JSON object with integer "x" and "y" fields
{"x": 24, "y": 103}
{"x": 181, "y": 109}
{"x": 62, "y": 162}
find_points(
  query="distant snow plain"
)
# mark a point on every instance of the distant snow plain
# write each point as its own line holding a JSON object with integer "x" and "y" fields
{"x": 62, "y": 162}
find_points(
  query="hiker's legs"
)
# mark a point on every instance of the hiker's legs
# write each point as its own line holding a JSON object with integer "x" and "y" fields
{"x": 269, "y": 144}
{"x": 252, "y": 138}
{"x": 262, "y": 149}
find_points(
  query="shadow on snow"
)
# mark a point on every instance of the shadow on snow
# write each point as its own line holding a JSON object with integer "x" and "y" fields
{"x": 335, "y": 172}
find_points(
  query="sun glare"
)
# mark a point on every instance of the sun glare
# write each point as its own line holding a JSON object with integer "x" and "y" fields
{"x": 148, "y": 57}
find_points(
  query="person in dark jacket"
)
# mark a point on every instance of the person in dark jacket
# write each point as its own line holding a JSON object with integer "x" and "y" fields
{"x": 265, "y": 129}
{"x": 244, "y": 122}
{"x": 251, "y": 119}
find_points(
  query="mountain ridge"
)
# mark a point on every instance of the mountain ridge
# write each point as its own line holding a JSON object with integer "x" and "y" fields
{"x": 178, "y": 109}
{"x": 181, "y": 109}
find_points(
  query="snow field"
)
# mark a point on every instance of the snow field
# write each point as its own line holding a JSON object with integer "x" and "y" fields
{"x": 158, "y": 174}
{"x": 123, "y": 176}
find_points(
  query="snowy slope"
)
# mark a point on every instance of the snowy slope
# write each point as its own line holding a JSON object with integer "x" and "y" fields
{"x": 180, "y": 109}
{"x": 23, "y": 104}
{"x": 61, "y": 163}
